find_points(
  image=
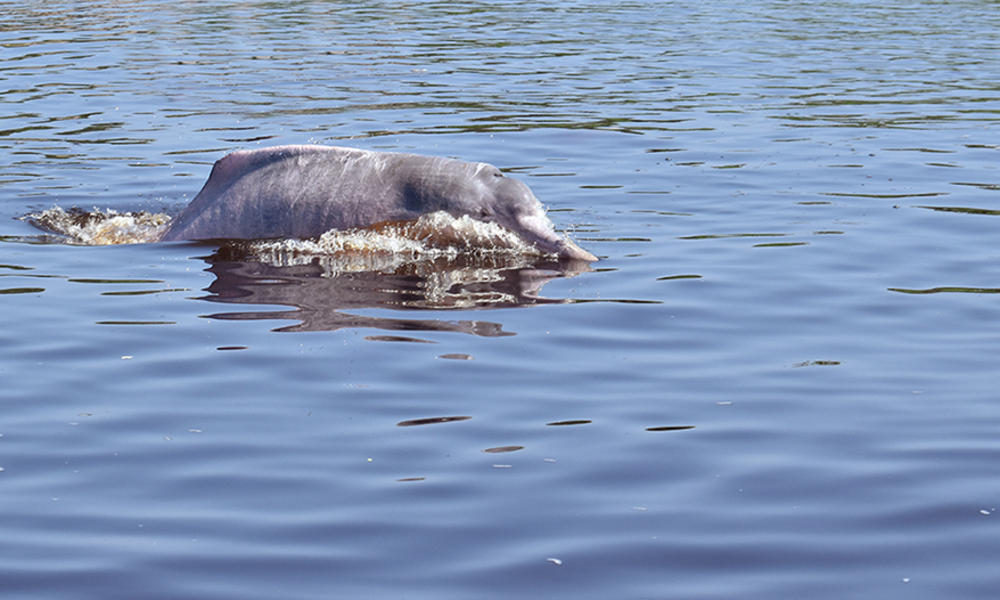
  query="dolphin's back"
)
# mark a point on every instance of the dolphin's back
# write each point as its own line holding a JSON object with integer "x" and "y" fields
{"x": 305, "y": 191}
{"x": 296, "y": 191}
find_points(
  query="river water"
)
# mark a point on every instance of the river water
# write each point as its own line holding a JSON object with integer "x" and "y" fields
{"x": 779, "y": 381}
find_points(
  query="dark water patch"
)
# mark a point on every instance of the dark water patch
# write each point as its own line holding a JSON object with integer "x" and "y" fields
{"x": 618, "y": 239}
{"x": 397, "y": 338}
{"x": 815, "y": 203}
{"x": 431, "y": 421}
{"x": 32, "y": 275}
{"x": 259, "y": 138}
{"x": 859, "y": 121}
{"x": 124, "y": 322}
{"x": 722, "y": 236}
{"x": 670, "y": 428}
{"x": 145, "y": 292}
{"x": 219, "y": 150}
{"x": 828, "y": 232}
{"x": 993, "y": 187}
{"x": 112, "y": 281}
{"x": 885, "y": 196}
{"x": 22, "y": 290}
{"x": 147, "y": 165}
{"x": 613, "y": 301}
{"x": 569, "y": 422}
{"x": 780, "y": 244}
{"x": 947, "y": 290}
{"x": 927, "y": 150}
{"x": 455, "y": 356}
{"x": 227, "y": 348}
{"x": 527, "y": 169}
{"x": 16, "y": 267}
{"x": 502, "y": 449}
{"x": 963, "y": 209}
{"x": 96, "y": 127}
{"x": 816, "y": 363}
{"x": 411, "y": 479}
{"x": 673, "y": 277}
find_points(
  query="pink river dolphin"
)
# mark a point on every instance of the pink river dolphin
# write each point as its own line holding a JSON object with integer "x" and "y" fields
{"x": 304, "y": 191}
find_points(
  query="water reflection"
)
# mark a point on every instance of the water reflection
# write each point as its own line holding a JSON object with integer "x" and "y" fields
{"x": 322, "y": 289}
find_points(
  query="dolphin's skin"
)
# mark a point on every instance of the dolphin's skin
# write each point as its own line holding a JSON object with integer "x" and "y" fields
{"x": 304, "y": 191}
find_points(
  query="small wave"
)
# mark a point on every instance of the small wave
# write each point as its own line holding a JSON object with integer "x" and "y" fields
{"x": 101, "y": 227}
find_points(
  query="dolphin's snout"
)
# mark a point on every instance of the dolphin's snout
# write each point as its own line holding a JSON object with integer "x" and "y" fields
{"x": 568, "y": 249}
{"x": 538, "y": 229}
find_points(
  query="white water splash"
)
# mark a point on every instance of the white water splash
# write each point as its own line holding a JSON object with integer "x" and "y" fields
{"x": 380, "y": 247}
{"x": 432, "y": 235}
{"x": 101, "y": 227}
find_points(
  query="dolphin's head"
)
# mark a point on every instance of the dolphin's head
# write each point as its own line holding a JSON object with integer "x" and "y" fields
{"x": 510, "y": 203}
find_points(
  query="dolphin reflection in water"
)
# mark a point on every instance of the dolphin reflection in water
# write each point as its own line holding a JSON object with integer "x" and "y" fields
{"x": 323, "y": 292}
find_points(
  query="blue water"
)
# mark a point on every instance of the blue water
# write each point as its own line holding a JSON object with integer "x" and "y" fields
{"x": 780, "y": 381}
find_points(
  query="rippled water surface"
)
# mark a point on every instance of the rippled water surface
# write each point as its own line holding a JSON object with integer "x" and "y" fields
{"x": 779, "y": 381}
